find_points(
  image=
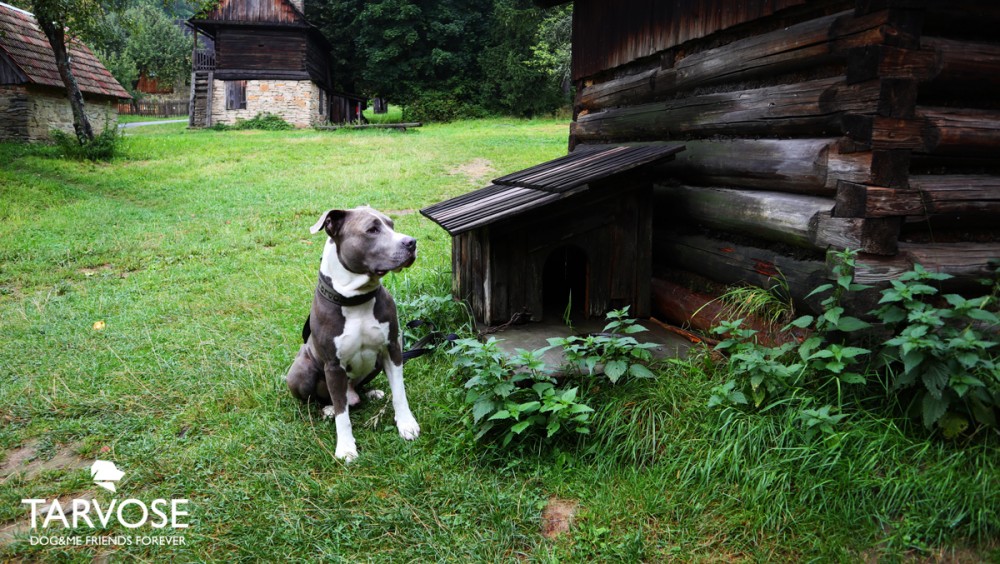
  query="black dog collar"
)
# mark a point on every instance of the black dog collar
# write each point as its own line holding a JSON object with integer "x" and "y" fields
{"x": 336, "y": 297}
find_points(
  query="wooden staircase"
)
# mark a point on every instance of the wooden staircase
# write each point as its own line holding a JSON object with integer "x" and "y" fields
{"x": 201, "y": 98}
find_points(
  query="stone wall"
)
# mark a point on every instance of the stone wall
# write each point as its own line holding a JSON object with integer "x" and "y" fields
{"x": 296, "y": 101}
{"x": 28, "y": 114}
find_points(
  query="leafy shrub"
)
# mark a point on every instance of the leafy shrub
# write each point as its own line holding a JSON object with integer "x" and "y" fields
{"x": 513, "y": 394}
{"x": 262, "y": 121}
{"x": 102, "y": 148}
{"x": 516, "y": 395}
{"x": 440, "y": 107}
{"x": 819, "y": 362}
{"x": 614, "y": 349}
{"x": 944, "y": 353}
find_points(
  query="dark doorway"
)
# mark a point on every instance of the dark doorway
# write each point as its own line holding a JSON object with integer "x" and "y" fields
{"x": 564, "y": 284}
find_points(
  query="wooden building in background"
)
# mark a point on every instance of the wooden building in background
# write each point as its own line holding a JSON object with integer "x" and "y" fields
{"x": 263, "y": 56}
{"x": 33, "y": 99}
{"x": 809, "y": 126}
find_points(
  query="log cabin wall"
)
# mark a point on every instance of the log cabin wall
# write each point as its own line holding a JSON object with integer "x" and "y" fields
{"x": 809, "y": 126}
{"x": 249, "y": 53}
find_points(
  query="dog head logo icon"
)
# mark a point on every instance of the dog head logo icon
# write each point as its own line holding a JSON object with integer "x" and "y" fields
{"x": 105, "y": 474}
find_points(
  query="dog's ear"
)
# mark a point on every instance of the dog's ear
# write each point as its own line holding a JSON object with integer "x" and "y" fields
{"x": 331, "y": 220}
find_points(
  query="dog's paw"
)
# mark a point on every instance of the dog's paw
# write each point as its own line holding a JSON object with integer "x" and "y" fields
{"x": 408, "y": 428}
{"x": 328, "y": 412}
{"x": 374, "y": 394}
{"x": 346, "y": 452}
{"x": 353, "y": 398}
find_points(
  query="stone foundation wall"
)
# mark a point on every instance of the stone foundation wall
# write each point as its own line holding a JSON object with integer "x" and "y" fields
{"x": 296, "y": 101}
{"x": 28, "y": 114}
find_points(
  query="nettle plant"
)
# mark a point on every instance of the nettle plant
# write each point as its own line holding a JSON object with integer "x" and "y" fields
{"x": 511, "y": 394}
{"x": 945, "y": 353}
{"x": 517, "y": 396}
{"x": 613, "y": 349}
{"x": 940, "y": 349}
{"x": 781, "y": 372}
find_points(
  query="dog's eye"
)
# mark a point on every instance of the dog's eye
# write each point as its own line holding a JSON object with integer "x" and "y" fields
{"x": 375, "y": 228}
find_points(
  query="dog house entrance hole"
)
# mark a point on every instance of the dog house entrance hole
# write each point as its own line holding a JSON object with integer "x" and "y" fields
{"x": 564, "y": 283}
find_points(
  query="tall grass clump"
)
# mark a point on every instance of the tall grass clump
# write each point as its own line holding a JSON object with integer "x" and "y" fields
{"x": 103, "y": 147}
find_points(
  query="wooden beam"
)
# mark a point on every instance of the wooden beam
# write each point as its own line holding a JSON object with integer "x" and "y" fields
{"x": 960, "y": 131}
{"x": 958, "y": 194}
{"x": 209, "y": 86}
{"x": 730, "y": 263}
{"x": 702, "y": 312}
{"x": 966, "y": 262}
{"x": 937, "y": 59}
{"x": 805, "y": 166}
{"x": 804, "y": 45}
{"x": 775, "y": 216}
{"x": 885, "y": 133}
{"x": 930, "y": 195}
{"x": 792, "y": 109}
{"x": 955, "y": 131}
{"x": 883, "y": 61}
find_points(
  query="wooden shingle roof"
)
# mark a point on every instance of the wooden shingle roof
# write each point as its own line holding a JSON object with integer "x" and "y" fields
{"x": 28, "y": 50}
{"x": 583, "y": 167}
{"x": 253, "y": 12}
{"x": 542, "y": 184}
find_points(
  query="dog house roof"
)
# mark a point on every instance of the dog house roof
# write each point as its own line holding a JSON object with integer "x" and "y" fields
{"x": 542, "y": 184}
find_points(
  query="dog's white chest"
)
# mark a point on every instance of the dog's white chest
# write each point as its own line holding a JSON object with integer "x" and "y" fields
{"x": 362, "y": 340}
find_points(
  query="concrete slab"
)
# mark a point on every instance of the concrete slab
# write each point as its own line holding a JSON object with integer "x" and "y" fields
{"x": 532, "y": 336}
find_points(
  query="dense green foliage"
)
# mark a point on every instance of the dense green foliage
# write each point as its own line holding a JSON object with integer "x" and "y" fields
{"x": 103, "y": 147}
{"x": 142, "y": 39}
{"x": 443, "y": 60}
{"x": 261, "y": 121}
{"x": 940, "y": 357}
{"x": 945, "y": 353}
{"x": 518, "y": 395}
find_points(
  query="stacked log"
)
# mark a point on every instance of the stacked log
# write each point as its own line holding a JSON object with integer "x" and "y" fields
{"x": 875, "y": 128}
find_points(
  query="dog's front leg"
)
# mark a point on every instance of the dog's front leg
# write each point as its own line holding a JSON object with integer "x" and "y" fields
{"x": 407, "y": 425}
{"x": 336, "y": 383}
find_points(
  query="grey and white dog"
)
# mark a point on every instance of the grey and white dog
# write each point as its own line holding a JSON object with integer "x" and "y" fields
{"x": 353, "y": 333}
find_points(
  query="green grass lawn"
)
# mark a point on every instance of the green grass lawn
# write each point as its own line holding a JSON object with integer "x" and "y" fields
{"x": 194, "y": 251}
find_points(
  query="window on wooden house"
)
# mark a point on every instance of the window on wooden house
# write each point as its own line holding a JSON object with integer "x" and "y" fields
{"x": 236, "y": 95}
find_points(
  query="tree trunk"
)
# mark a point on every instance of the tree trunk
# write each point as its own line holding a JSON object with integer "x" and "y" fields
{"x": 56, "y": 33}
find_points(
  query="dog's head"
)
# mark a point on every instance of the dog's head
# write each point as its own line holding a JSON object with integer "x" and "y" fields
{"x": 366, "y": 241}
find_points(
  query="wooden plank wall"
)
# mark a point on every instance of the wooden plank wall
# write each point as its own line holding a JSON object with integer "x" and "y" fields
{"x": 614, "y": 33}
{"x": 256, "y": 49}
{"x": 873, "y": 125}
{"x": 9, "y": 74}
{"x": 256, "y": 11}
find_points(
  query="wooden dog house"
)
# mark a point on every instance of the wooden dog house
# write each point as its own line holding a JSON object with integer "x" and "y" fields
{"x": 575, "y": 231}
